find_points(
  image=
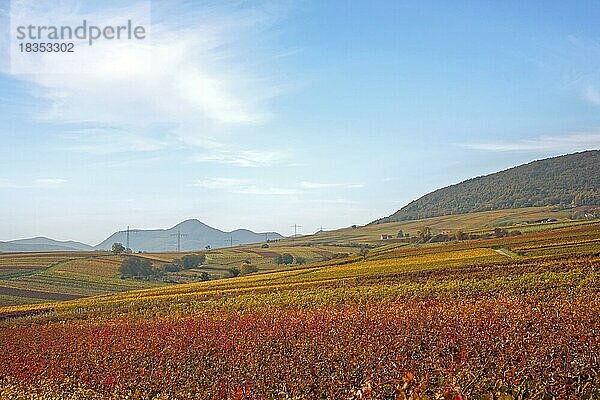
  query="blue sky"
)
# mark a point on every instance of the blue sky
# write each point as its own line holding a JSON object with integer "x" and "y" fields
{"x": 265, "y": 114}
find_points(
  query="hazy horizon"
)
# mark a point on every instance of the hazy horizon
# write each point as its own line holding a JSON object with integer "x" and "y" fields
{"x": 268, "y": 114}
{"x": 94, "y": 244}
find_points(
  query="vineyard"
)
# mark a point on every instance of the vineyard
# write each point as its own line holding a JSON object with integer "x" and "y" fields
{"x": 503, "y": 318}
{"x": 38, "y": 277}
{"x": 27, "y": 278}
{"x": 522, "y": 218}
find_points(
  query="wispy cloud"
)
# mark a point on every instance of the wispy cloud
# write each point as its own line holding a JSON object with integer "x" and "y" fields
{"x": 201, "y": 72}
{"x": 220, "y": 183}
{"x": 578, "y": 63}
{"x": 242, "y": 158}
{"x": 49, "y": 183}
{"x": 345, "y": 202}
{"x": 567, "y": 143}
{"x": 41, "y": 183}
{"x": 323, "y": 185}
{"x": 250, "y": 186}
{"x": 592, "y": 95}
{"x": 111, "y": 140}
{"x": 243, "y": 186}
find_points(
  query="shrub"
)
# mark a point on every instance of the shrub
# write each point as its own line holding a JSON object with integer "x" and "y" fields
{"x": 192, "y": 261}
{"x": 118, "y": 248}
{"x": 285, "y": 258}
{"x": 135, "y": 267}
{"x": 205, "y": 276}
{"x": 233, "y": 272}
{"x": 248, "y": 269}
{"x": 172, "y": 268}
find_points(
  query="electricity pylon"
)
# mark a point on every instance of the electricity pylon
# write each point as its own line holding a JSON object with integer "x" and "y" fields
{"x": 179, "y": 236}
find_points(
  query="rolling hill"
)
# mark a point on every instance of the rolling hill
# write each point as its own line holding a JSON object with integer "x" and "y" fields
{"x": 195, "y": 235}
{"x": 42, "y": 244}
{"x": 568, "y": 180}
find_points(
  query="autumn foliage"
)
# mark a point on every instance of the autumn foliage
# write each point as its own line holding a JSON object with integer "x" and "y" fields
{"x": 458, "y": 324}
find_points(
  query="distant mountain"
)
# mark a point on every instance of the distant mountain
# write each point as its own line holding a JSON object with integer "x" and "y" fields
{"x": 195, "y": 235}
{"x": 572, "y": 179}
{"x": 42, "y": 244}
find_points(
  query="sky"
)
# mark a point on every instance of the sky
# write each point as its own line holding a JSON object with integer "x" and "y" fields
{"x": 262, "y": 115}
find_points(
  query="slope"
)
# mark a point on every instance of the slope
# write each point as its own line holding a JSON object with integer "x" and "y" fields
{"x": 572, "y": 179}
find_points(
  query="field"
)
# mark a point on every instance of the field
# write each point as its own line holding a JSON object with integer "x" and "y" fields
{"x": 500, "y": 318}
{"x": 29, "y": 278}
{"x": 218, "y": 261}
{"x": 41, "y": 277}
{"x": 524, "y": 218}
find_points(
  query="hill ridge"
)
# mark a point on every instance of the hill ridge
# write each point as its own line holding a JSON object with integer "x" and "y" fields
{"x": 568, "y": 180}
{"x": 196, "y": 235}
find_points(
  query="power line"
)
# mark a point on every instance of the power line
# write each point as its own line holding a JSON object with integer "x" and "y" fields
{"x": 295, "y": 226}
{"x": 321, "y": 229}
{"x": 179, "y": 236}
{"x": 231, "y": 240}
{"x": 128, "y": 232}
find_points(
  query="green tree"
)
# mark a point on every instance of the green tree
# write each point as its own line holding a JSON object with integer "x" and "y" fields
{"x": 192, "y": 261}
{"x": 285, "y": 259}
{"x": 172, "y": 267}
{"x": 118, "y": 248}
{"x": 233, "y": 272}
{"x": 136, "y": 267}
{"x": 300, "y": 260}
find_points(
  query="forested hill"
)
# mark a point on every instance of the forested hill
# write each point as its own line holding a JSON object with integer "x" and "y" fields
{"x": 569, "y": 179}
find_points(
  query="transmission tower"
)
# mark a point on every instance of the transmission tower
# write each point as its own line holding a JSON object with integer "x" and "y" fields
{"x": 322, "y": 229}
{"x": 128, "y": 232}
{"x": 231, "y": 240}
{"x": 295, "y": 226}
{"x": 179, "y": 236}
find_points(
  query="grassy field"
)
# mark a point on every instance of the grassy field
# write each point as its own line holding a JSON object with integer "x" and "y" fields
{"x": 499, "y": 318}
